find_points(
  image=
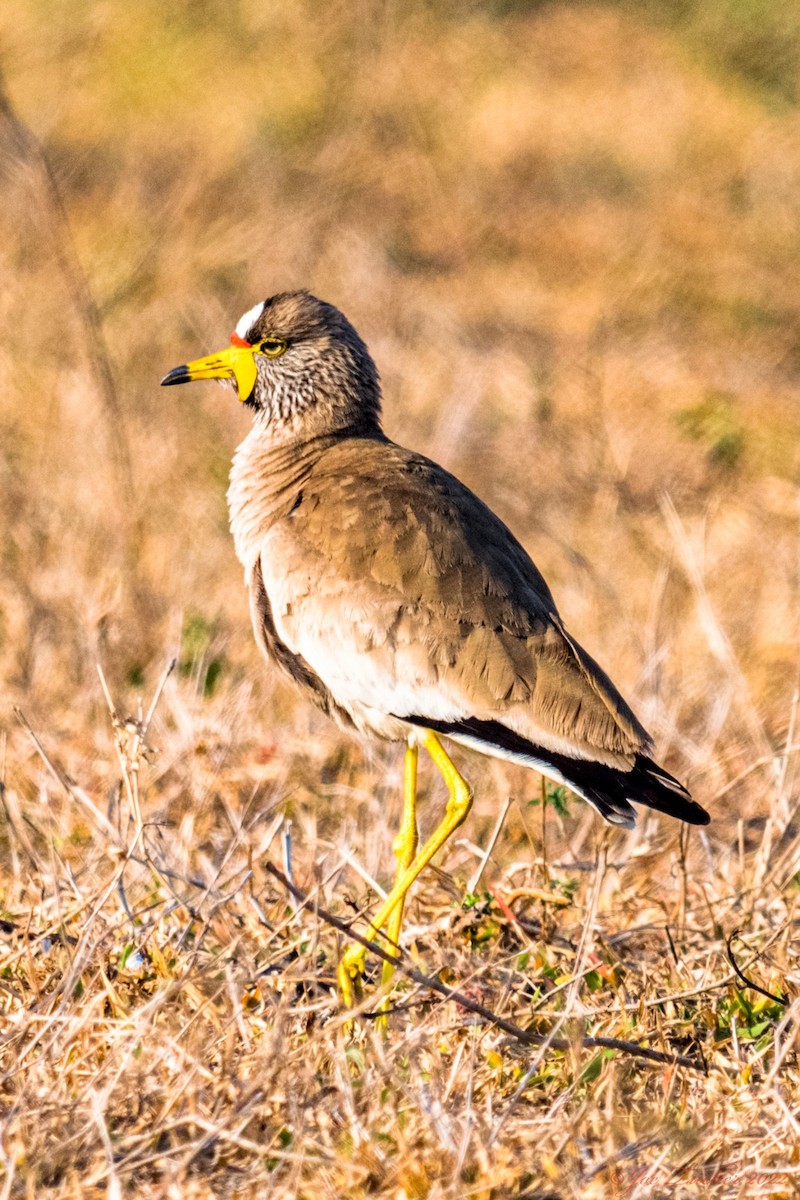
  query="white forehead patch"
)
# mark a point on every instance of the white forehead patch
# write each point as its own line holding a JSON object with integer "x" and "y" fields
{"x": 246, "y": 323}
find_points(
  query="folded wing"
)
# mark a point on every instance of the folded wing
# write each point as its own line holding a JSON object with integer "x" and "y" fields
{"x": 412, "y": 602}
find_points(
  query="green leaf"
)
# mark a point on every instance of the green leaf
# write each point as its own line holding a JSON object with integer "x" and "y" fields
{"x": 592, "y": 1069}
{"x": 715, "y": 424}
{"x": 755, "y": 1030}
{"x": 594, "y": 981}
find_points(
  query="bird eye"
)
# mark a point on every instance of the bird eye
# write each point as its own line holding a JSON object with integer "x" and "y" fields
{"x": 272, "y": 347}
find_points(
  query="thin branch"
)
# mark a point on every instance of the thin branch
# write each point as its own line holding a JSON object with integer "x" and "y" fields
{"x": 162, "y": 683}
{"x": 71, "y": 788}
{"x": 740, "y": 973}
{"x": 525, "y": 1036}
{"x": 472, "y": 886}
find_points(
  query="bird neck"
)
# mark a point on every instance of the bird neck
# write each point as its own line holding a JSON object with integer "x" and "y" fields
{"x": 267, "y": 475}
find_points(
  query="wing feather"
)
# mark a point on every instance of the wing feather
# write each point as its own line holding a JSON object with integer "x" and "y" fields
{"x": 405, "y": 594}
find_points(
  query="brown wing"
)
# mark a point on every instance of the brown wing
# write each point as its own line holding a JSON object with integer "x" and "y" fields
{"x": 406, "y": 595}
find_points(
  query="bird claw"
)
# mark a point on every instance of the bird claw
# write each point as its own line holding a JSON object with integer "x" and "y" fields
{"x": 350, "y": 973}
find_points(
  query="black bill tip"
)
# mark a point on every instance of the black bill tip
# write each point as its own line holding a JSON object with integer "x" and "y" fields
{"x": 176, "y": 375}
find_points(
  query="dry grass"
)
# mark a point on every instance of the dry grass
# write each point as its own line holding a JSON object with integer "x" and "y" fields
{"x": 570, "y": 235}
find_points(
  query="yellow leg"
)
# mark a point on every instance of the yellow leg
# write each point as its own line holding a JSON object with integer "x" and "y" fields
{"x": 405, "y": 847}
{"x": 458, "y": 805}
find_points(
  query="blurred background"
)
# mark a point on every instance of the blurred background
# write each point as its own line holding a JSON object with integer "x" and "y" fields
{"x": 568, "y": 232}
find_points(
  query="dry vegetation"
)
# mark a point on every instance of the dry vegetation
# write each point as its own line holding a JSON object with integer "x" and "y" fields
{"x": 570, "y": 234}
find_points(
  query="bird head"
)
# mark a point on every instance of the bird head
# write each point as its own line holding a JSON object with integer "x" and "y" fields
{"x": 298, "y": 363}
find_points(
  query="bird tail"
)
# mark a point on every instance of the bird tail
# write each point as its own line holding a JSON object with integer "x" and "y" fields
{"x": 608, "y": 789}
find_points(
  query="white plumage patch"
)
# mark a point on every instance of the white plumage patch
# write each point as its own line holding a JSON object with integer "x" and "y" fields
{"x": 246, "y": 323}
{"x": 544, "y": 768}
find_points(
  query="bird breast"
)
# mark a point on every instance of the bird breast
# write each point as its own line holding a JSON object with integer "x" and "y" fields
{"x": 266, "y": 479}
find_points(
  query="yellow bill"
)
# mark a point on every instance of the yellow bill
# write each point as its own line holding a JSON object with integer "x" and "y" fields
{"x": 236, "y": 362}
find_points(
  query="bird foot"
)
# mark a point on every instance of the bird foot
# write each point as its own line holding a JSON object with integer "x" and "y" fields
{"x": 350, "y": 973}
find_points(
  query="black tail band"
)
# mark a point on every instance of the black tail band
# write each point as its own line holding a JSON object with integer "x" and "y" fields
{"x": 609, "y": 789}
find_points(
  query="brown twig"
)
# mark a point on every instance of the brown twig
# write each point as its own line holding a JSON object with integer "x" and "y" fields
{"x": 741, "y": 975}
{"x": 526, "y": 1036}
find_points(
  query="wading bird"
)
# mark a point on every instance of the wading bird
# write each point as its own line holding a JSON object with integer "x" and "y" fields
{"x": 398, "y": 601}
